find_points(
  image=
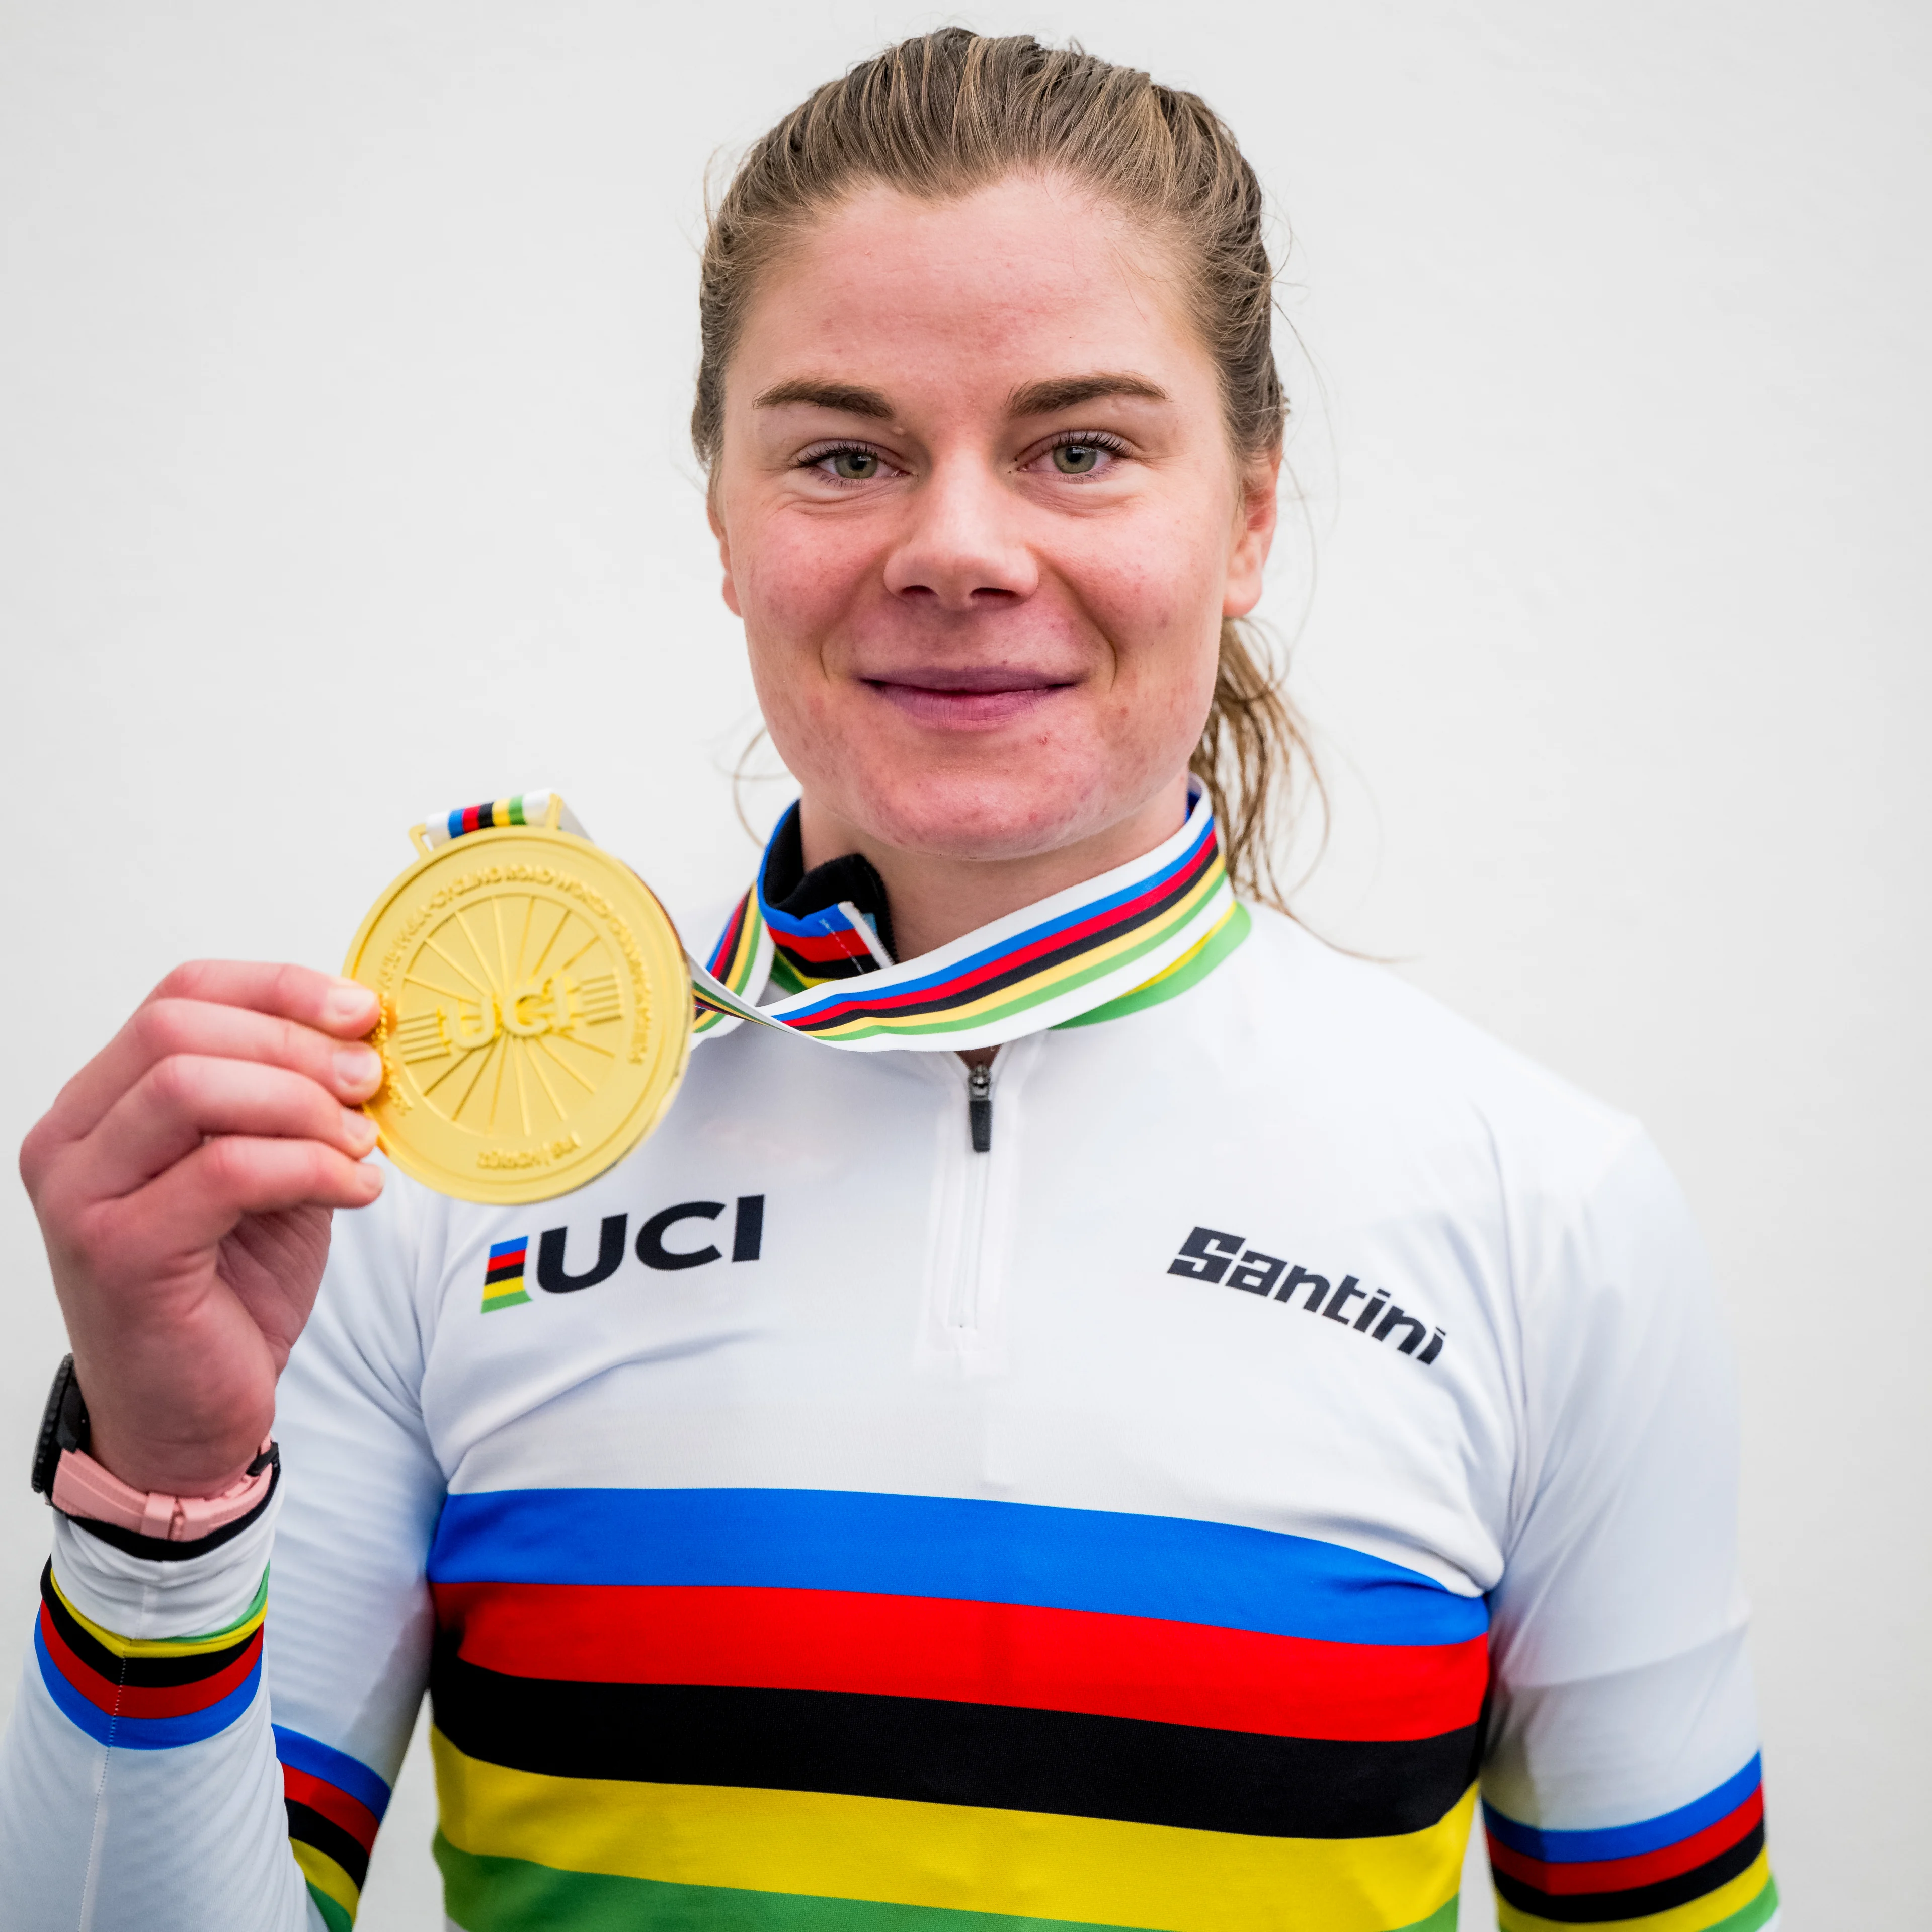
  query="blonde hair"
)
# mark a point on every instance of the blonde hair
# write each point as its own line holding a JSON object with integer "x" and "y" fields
{"x": 941, "y": 115}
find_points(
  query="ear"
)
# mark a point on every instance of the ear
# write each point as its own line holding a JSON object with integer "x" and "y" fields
{"x": 729, "y": 588}
{"x": 1253, "y": 535}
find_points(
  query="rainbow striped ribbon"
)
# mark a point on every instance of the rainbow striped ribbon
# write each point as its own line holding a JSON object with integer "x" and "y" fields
{"x": 527, "y": 808}
{"x": 1130, "y": 938}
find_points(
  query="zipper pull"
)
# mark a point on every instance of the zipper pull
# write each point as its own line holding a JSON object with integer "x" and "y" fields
{"x": 979, "y": 1106}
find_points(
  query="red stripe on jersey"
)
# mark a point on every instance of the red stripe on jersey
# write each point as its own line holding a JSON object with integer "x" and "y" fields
{"x": 966, "y": 1652}
{"x": 333, "y": 1802}
{"x": 1620, "y": 1874}
{"x": 146, "y": 1700}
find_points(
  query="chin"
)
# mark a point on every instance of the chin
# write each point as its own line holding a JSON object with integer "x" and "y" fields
{"x": 987, "y": 815}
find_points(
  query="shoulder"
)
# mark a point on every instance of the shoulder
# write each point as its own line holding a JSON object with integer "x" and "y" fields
{"x": 1433, "y": 1122}
{"x": 1373, "y": 1046}
{"x": 1414, "y": 1111}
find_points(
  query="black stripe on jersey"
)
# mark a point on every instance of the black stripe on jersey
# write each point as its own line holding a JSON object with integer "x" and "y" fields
{"x": 943, "y": 1752}
{"x": 311, "y": 1828}
{"x": 1637, "y": 1901}
{"x": 504, "y": 1270}
{"x": 148, "y": 1672}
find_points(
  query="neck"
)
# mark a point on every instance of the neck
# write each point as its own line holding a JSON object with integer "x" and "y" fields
{"x": 938, "y": 897}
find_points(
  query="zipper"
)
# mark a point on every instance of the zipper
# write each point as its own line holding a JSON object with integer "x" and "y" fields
{"x": 979, "y": 1106}
{"x": 965, "y": 1324}
{"x": 962, "y": 1311}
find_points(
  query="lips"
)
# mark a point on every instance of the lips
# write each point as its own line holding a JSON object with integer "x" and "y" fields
{"x": 968, "y": 697}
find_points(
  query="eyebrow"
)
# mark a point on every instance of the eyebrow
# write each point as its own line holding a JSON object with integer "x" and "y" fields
{"x": 1066, "y": 392}
{"x": 1036, "y": 399}
{"x": 841, "y": 396}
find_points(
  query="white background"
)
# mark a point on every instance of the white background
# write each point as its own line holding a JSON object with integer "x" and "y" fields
{"x": 344, "y": 358}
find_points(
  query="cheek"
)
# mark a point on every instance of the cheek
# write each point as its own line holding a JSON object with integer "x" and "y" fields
{"x": 796, "y": 584}
{"x": 1158, "y": 599}
{"x": 794, "y": 574}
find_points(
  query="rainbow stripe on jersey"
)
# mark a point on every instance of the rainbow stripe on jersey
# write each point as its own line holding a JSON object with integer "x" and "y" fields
{"x": 334, "y": 1803}
{"x": 147, "y": 1693}
{"x": 1130, "y": 938}
{"x": 815, "y": 1709}
{"x": 1702, "y": 1867}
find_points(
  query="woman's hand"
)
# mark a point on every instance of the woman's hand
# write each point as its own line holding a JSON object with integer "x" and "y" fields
{"x": 184, "y": 1179}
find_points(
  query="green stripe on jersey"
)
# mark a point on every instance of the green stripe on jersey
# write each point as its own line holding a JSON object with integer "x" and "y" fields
{"x": 332, "y": 1915}
{"x": 493, "y": 1894}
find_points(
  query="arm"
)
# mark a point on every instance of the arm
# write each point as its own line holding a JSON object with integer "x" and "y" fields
{"x": 138, "y": 1760}
{"x": 185, "y": 1181}
{"x": 185, "y": 1724}
{"x": 1622, "y": 1777}
{"x": 350, "y": 1621}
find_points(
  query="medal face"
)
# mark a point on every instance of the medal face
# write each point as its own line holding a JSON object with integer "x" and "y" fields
{"x": 536, "y": 1014}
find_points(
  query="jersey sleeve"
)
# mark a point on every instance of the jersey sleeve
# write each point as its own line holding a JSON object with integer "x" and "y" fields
{"x": 1622, "y": 1784}
{"x": 205, "y": 1742}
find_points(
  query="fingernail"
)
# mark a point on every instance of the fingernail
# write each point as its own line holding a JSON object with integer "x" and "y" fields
{"x": 358, "y": 1130}
{"x": 357, "y": 1067}
{"x": 348, "y": 1003}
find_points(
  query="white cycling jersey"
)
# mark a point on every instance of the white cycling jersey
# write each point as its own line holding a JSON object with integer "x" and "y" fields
{"x": 1296, "y": 1408}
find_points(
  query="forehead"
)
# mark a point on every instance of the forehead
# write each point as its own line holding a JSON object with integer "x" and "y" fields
{"x": 1023, "y": 278}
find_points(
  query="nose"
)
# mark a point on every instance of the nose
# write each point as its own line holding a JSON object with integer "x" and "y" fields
{"x": 961, "y": 549}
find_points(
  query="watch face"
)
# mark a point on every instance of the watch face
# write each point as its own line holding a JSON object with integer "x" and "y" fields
{"x": 63, "y": 1425}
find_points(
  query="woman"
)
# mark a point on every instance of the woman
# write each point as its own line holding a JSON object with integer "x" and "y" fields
{"x": 1146, "y": 1444}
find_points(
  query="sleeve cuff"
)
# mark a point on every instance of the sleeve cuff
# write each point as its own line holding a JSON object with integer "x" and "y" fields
{"x": 141, "y": 1587}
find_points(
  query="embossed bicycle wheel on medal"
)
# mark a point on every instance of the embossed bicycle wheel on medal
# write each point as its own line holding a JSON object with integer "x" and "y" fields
{"x": 535, "y": 1017}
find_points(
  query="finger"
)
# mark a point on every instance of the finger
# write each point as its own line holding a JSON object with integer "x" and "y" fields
{"x": 181, "y": 1100}
{"x": 197, "y": 1201}
{"x": 345, "y": 1008}
{"x": 174, "y": 1022}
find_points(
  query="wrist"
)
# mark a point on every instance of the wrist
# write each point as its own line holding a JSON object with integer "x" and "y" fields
{"x": 171, "y": 1434}
{"x": 194, "y": 1473}
{"x": 85, "y": 1490}
{"x": 93, "y": 1490}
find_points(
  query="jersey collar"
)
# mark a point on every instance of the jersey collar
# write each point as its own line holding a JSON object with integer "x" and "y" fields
{"x": 1130, "y": 938}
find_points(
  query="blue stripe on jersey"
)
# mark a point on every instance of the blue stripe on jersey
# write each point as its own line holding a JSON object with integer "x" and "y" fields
{"x": 301, "y": 1752}
{"x": 129, "y": 1733}
{"x": 1626, "y": 1841}
{"x": 980, "y": 1551}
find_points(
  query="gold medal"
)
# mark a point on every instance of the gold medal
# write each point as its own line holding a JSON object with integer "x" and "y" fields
{"x": 536, "y": 1012}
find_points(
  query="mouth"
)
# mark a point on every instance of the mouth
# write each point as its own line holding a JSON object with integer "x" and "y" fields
{"x": 968, "y": 697}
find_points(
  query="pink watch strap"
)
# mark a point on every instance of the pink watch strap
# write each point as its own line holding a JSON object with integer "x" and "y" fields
{"x": 83, "y": 1488}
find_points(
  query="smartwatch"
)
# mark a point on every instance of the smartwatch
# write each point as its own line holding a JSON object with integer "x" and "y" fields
{"x": 77, "y": 1485}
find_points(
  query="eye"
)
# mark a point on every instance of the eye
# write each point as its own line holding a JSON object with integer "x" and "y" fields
{"x": 846, "y": 463}
{"x": 1080, "y": 454}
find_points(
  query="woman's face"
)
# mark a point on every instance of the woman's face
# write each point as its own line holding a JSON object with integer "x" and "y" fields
{"x": 977, "y": 508}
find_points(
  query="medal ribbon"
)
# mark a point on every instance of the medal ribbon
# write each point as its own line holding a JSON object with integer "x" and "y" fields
{"x": 1130, "y": 937}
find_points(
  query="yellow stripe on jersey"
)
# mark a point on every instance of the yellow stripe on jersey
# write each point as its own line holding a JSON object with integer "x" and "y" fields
{"x": 1026, "y": 1864}
{"x": 243, "y": 1627}
{"x": 326, "y": 1875}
